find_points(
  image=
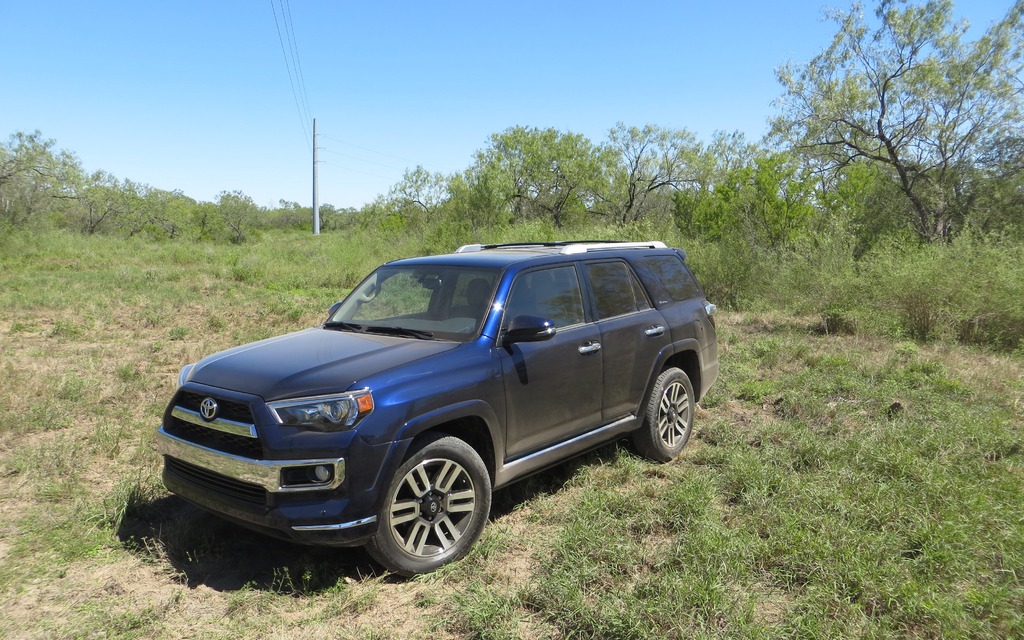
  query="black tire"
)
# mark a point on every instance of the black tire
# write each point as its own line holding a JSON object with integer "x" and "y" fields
{"x": 435, "y": 508}
{"x": 669, "y": 417}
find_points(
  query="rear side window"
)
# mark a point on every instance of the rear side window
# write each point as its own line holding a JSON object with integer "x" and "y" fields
{"x": 674, "y": 276}
{"x": 616, "y": 290}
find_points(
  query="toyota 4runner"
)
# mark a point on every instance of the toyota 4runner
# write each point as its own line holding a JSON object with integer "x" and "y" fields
{"x": 437, "y": 380}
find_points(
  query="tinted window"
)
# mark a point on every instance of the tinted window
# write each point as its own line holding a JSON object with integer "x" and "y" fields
{"x": 616, "y": 290}
{"x": 550, "y": 293}
{"x": 674, "y": 276}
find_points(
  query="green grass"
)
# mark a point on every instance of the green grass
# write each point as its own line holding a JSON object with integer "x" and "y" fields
{"x": 840, "y": 484}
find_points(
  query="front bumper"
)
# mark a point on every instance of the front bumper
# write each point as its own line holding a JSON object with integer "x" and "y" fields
{"x": 283, "y": 498}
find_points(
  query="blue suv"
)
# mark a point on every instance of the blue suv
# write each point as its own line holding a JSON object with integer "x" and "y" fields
{"x": 437, "y": 380}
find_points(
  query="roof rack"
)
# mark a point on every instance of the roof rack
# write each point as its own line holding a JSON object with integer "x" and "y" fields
{"x": 567, "y": 247}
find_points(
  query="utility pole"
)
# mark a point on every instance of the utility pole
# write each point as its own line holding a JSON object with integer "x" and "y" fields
{"x": 316, "y": 186}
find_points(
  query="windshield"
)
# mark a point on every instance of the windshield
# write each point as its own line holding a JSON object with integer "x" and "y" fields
{"x": 425, "y": 302}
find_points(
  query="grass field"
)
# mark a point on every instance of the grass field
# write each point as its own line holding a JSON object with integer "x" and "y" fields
{"x": 836, "y": 486}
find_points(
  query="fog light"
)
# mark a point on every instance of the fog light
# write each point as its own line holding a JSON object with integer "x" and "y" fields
{"x": 311, "y": 476}
{"x": 322, "y": 473}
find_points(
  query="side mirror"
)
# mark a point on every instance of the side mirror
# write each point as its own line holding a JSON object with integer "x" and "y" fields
{"x": 334, "y": 307}
{"x": 529, "y": 329}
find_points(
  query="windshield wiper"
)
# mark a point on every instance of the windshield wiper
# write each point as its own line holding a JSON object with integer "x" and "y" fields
{"x": 345, "y": 326}
{"x": 400, "y": 331}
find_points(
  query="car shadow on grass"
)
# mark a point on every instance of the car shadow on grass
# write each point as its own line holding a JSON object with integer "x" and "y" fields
{"x": 202, "y": 549}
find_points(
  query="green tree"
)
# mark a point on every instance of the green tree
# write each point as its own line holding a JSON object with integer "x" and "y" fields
{"x": 907, "y": 92}
{"x": 32, "y": 176}
{"x": 766, "y": 203}
{"x": 239, "y": 214}
{"x": 652, "y": 162}
{"x": 545, "y": 173}
{"x": 421, "y": 189}
{"x": 699, "y": 205}
{"x": 168, "y": 213}
{"x": 103, "y": 203}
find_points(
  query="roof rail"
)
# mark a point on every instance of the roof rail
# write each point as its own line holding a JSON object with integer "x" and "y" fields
{"x": 567, "y": 247}
{"x": 606, "y": 246}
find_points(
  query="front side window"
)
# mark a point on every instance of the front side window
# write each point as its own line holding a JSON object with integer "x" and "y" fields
{"x": 553, "y": 294}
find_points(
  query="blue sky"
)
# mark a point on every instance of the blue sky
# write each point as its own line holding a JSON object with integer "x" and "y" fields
{"x": 196, "y": 96}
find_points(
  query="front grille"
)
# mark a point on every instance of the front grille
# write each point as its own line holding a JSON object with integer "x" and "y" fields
{"x": 227, "y": 409}
{"x": 217, "y": 483}
{"x": 209, "y": 437}
{"x": 213, "y": 439}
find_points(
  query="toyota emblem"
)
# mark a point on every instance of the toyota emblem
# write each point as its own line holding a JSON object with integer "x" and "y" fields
{"x": 208, "y": 408}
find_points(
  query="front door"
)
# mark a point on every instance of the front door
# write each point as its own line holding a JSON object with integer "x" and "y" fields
{"x": 553, "y": 389}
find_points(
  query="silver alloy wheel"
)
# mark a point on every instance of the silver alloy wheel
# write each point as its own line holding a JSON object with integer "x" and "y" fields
{"x": 432, "y": 508}
{"x": 674, "y": 414}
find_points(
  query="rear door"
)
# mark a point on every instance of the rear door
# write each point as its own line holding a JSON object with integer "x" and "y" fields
{"x": 633, "y": 333}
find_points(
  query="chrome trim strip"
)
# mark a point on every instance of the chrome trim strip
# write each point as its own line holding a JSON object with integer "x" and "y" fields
{"x": 220, "y": 424}
{"x": 512, "y": 468}
{"x": 335, "y": 527}
{"x": 265, "y": 473}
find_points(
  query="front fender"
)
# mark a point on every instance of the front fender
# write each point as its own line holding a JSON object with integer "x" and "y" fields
{"x": 407, "y": 434}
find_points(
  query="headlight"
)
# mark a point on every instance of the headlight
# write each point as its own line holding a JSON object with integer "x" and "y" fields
{"x": 185, "y": 374}
{"x": 324, "y": 413}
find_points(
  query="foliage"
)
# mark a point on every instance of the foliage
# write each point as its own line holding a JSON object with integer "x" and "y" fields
{"x": 543, "y": 173}
{"x": 765, "y": 203}
{"x": 651, "y": 162}
{"x": 909, "y": 95}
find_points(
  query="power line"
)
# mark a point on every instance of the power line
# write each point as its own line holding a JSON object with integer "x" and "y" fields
{"x": 365, "y": 173}
{"x": 291, "y": 81}
{"x": 290, "y": 31}
{"x": 370, "y": 150}
{"x": 345, "y": 155}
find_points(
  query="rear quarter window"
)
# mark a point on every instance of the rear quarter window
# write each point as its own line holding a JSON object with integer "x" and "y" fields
{"x": 674, "y": 277}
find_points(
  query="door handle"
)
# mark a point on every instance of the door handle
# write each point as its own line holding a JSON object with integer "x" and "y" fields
{"x": 654, "y": 331}
{"x": 590, "y": 347}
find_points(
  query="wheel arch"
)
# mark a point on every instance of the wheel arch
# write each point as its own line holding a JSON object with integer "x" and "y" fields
{"x": 474, "y": 422}
{"x": 689, "y": 362}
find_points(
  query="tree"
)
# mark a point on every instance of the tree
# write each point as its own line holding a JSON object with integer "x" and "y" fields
{"x": 239, "y": 213}
{"x": 651, "y": 161}
{"x": 544, "y": 173}
{"x": 168, "y": 211}
{"x": 103, "y": 204}
{"x": 421, "y": 189}
{"x": 765, "y": 202}
{"x": 910, "y": 95}
{"x": 699, "y": 204}
{"x": 32, "y": 174}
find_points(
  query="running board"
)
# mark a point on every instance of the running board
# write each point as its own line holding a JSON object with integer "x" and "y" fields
{"x": 562, "y": 451}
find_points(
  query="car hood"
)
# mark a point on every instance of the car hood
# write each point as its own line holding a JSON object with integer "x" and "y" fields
{"x": 307, "y": 363}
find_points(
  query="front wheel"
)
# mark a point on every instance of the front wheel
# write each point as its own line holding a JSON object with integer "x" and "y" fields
{"x": 669, "y": 417}
{"x": 435, "y": 509}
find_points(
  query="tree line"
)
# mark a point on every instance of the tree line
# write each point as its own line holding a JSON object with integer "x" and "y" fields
{"x": 900, "y": 127}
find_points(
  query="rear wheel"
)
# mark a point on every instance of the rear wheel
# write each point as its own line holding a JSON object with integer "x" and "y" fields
{"x": 669, "y": 417}
{"x": 435, "y": 508}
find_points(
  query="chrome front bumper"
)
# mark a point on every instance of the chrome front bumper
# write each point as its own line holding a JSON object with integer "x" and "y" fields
{"x": 268, "y": 474}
